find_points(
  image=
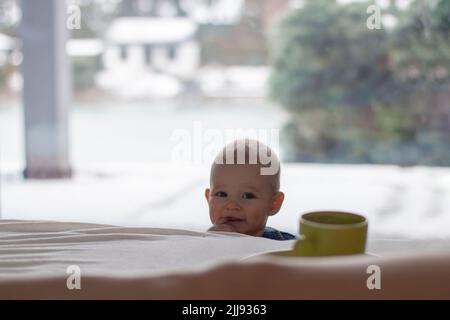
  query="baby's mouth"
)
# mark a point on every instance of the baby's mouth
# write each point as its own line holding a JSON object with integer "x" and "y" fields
{"x": 232, "y": 219}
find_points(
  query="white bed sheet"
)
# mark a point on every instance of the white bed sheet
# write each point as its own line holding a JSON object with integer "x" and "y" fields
{"x": 149, "y": 263}
{"x": 43, "y": 248}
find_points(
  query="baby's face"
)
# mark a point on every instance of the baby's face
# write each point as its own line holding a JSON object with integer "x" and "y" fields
{"x": 240, "y": 198}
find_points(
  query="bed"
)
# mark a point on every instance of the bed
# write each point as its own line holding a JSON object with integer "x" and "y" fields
{"x": 39, "y": 259}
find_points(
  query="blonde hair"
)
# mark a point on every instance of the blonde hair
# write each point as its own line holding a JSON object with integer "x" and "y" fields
{"x": 250, "y": 152}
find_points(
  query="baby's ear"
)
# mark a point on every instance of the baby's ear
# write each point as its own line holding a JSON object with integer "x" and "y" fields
{"x": 207, "y": 194}
{"x": 277, "y": 201}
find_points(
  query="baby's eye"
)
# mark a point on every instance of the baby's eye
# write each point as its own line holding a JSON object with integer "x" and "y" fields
{"x": 248, "y": 195}
{"x": 220, "y": 194}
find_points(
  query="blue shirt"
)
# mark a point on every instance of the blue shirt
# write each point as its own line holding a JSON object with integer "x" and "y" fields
{"x": 274, "y": 234}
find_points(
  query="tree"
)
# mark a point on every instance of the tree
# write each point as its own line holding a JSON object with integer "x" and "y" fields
{"x": 420, "y": 55}
{"x": 420, "y": 49}
{"x": 323, "y": 55}
{"x": 361, "y": 95}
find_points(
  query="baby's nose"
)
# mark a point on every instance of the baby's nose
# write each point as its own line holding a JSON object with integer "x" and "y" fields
{"x": 232, "y": 205}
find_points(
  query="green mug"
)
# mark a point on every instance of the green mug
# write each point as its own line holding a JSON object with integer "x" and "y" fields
{"x": 331, "y": 233}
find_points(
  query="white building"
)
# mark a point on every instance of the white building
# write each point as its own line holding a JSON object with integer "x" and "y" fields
{"x": 7, "y": 45}
{"x": 149, "y": 56}
{"x": 165, "y": 45}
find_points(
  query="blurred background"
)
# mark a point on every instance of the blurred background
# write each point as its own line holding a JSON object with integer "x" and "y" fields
{"x": 359, "y": 91}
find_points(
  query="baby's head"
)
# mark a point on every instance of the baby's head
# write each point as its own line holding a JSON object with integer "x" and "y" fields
{"x": 244, "y": 187}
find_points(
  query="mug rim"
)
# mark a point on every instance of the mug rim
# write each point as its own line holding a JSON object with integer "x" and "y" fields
{"x": 362, "y": 223}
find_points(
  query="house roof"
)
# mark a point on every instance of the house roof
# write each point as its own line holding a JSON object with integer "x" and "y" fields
{"x": 84, "y": 47}
{"x": 145, "y": 30}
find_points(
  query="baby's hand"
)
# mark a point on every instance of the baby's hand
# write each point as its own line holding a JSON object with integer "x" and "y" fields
{"x": 222, "y": 227}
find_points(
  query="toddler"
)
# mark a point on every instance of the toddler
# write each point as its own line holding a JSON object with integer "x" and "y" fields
{"x": 245, "y": 190}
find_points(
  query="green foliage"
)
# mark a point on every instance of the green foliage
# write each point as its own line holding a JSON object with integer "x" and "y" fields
{"x": 420, "y": 48}
{"x": 233, "y": 45}
{"x": 442, "y": 12}
{"x": 2, "y": 75}
{"x": 361, "y": 95}
{"x": 5, "y": 71}
{"x": 84, "y": 70}
{"x": 321, "y": 51}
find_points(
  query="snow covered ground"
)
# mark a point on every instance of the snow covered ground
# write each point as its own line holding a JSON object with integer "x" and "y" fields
{"x": 399, "y": 202}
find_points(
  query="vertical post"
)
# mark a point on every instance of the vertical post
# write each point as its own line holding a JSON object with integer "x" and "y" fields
{"x": 47, "y": 88}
